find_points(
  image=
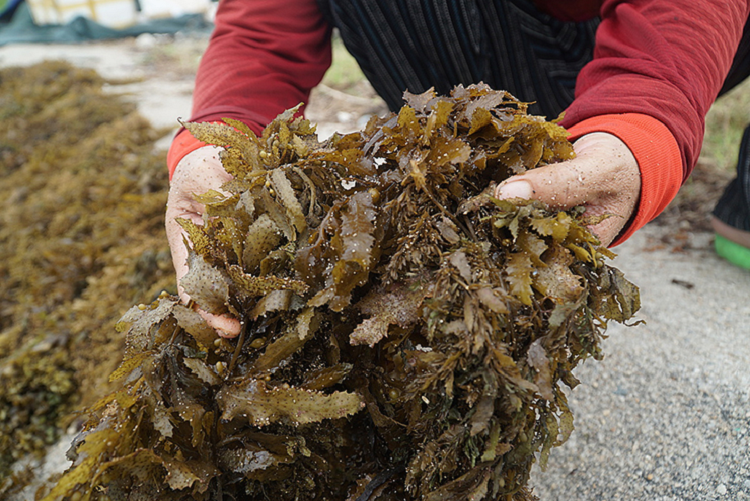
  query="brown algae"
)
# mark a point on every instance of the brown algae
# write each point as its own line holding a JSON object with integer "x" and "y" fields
{"x": 405, "y": 335}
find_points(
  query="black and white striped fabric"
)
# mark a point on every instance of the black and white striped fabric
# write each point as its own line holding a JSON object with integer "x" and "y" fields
{"x": 509, "y": 44}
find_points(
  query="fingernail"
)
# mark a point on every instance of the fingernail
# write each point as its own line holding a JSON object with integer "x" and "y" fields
{"x": 515, "y": 189}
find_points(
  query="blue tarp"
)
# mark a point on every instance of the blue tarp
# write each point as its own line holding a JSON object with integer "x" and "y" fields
{"x": 20, "y": 28}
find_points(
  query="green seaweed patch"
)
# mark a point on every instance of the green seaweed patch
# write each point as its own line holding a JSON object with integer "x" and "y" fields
{"x": 38, "y": 381}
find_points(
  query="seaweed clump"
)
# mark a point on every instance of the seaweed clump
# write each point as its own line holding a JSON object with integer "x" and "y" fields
{"x": 405, "y": 335}
{"x": 82, "y": 196}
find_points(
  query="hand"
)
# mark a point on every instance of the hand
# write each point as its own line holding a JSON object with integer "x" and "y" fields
{"x": 604, "y": 177}
{"x": 198, "y": 172}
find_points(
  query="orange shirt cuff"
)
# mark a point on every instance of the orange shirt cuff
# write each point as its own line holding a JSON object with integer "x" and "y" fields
{"x": 182, "y": 144}
{"x": 658, "y": 156}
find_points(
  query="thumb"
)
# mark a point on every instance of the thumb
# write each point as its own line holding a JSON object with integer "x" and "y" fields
{"x": 561, "y": 186}
{"x": 604, "y": 177}
{"x": 603, "y": 168}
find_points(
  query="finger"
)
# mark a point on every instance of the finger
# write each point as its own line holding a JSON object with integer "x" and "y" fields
{"x": 564, "y": 187}
{"x": 561, "y": 186}
{"x": 180, "y": 206}
{"x": 602, "y": 168}
{"x": 594, "y": 175}
{"x": 525, "y": 187}
{"x": 224, "y": 325}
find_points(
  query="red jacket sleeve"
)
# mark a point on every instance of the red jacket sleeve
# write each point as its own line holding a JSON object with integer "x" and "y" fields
{"x": 662, "y": 58}
{"x": 264, "y": 57}
{"x": 658, "y": 66}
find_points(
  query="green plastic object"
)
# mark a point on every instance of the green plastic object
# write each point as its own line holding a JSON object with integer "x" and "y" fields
{"x": 733, "y": 252}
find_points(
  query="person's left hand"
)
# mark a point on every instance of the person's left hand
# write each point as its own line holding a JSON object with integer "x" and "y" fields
{"x": 604, "y": 178}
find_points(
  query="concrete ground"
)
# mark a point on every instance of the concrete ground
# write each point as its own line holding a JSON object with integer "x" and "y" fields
{"x": 665, "y": 416}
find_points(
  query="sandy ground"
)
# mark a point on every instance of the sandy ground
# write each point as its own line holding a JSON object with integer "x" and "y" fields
{"x": 665, "y": 416}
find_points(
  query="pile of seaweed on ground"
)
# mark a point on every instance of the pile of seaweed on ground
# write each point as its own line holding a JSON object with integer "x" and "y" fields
{"x": 404, "y": 334}
{"x": 82, "y": 196}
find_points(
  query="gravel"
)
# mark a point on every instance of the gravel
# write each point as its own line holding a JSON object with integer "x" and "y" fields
{"x": 666, "y": 415}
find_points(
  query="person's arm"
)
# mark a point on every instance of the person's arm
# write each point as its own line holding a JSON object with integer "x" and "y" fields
{"x": 657, "y": 68}
{"x": 264, "y": 57}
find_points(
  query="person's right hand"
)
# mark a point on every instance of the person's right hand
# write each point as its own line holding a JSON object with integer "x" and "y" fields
{"x": 198, "y": 172}
{"x": 604, "y": 177}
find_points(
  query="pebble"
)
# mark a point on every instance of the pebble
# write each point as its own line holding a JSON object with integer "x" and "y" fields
{"x": 722, "y": 489}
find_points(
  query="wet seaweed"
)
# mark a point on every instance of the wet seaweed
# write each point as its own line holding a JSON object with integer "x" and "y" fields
{"x": 405, "y": 335}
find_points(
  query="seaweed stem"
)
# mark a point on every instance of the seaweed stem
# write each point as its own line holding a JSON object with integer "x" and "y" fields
{"x": 177, "y": 330}
{"x": 470, "y": 227}
{"x": 443, "y": 210}
{"x": 237, "y": 350}
{"x": 311, "y": 209}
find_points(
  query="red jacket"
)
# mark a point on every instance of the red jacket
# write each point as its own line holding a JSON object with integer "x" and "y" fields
{"x": 658, "y": 66}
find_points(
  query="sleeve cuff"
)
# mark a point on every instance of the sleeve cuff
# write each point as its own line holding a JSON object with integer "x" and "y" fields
{"x": 184, "y": 142}
{"x": 658, "y": 156}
